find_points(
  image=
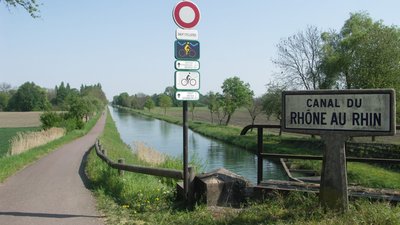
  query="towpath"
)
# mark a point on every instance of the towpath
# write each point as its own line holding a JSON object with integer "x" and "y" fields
{"x": 52, "y": 190}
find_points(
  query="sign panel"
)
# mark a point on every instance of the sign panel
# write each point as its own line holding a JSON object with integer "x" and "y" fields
{"x": 355, "y": 112}
{"x": 187, "y": 80}
{"x": 187, "y": 34}
{"x": 187, "y": 65}
{"x": 186, "y": 49}
{"x": 186, "y": 14}
{"x": 187, "y": 95}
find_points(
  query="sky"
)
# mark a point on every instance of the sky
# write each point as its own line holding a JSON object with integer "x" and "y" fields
{"x": 128, "y": 46}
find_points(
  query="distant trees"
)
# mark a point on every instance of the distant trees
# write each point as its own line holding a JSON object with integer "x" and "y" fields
{"x": 255, "y": 108}
{"x": 165, "y": 102}
{"x": 149, "y": 104}
{"x": 272, "y": 102}
{"x": 29, "y": 97}
{"x": 5, "y": 95}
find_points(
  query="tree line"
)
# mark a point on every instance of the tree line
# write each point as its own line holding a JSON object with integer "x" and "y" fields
{"x": 364, "y": 54}
{"x": 76, "y": 105}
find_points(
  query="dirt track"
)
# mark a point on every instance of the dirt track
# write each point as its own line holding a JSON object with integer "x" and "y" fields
{"x": 52, "y": 190}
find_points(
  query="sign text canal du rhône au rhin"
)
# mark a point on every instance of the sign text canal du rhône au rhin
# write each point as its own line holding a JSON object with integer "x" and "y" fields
{"x": 356, "y": 112}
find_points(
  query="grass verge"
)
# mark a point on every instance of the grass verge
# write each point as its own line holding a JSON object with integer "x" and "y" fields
{"x": 143, "y": 199}
{"x": 11, "y": 164}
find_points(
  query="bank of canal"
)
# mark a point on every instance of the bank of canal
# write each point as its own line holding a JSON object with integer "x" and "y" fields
{"x": 167, "y": 138}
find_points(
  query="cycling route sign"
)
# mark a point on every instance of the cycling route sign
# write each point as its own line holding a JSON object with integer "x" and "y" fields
{"x": 186, "y": 14}
{"x": 187, "y": 80}
{"x": 187, "y": 49}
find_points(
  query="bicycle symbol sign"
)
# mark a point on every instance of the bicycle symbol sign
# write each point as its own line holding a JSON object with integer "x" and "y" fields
{"x": 187, "y": 80}
{"x": 186, "y": 49}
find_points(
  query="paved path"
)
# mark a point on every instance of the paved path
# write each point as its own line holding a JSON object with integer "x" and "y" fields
{"x": 52, "y": 191}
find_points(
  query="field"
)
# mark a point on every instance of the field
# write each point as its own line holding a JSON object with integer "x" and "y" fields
{"x": 20, "y": 119}
{"x": 7, "y": 133}
{"x": 13, "y": 122}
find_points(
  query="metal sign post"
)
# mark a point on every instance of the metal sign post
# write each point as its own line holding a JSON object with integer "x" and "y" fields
{"x": 187, "y": 79}
{"x": 337, "y": 115}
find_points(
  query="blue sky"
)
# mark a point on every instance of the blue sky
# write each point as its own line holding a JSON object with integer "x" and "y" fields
{"x": 129, "y": 45}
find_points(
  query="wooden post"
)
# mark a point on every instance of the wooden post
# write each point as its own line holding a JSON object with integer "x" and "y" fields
{"x": 121, "y": 161}
{"x": 192, "y": 174}
{"x": 260, "y": 149}
{"x": 333, "y": 187}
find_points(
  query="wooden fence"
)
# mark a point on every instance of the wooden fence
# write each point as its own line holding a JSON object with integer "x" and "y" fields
{"x": 261, "y": 155}
{"x": 170, "y": 173}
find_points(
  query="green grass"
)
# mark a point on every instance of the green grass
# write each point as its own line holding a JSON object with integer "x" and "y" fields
{"x": 11, "y": 164}
{"x": 6, "y": 134}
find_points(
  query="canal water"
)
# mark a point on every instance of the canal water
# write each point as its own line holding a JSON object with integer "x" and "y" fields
{"x": 167, "y": 138}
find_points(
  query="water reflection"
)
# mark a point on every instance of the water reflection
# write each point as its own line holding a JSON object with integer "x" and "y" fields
{"x": 167, "y": 138}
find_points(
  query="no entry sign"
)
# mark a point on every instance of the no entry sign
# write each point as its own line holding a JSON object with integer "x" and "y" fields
{"x": 186, "y": 14}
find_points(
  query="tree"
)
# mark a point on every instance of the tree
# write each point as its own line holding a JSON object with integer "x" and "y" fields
{"x": 170, "y": 91}
{"x": 31, "y": 6}
{"x": 4, "y": 98}
{"x": 5, "y": 95}
{"x": 255, "y": 108}
{"x": 149, "y": 104}
{"x": 299, "y": 58}
{"x": 165, "y": 102}
{"x": 29, "y": 97}
{"x": 365, "y": 54}
{"x": 236, "y": 94}
{"x": 272, "y": 102}
{"x": 212, "y": 104}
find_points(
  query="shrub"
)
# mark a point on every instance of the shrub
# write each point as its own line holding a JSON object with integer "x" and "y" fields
{"x": 50, "y": 119}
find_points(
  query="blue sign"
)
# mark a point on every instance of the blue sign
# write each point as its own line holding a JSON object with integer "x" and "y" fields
{"x": 185, "y": 49}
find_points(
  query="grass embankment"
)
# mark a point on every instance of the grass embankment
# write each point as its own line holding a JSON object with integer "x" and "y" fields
{"x": 11, "y": 164}
{"x": 358, "y": 173}
{"x": 8, "y": 133}
{"x": 143, "y": 199}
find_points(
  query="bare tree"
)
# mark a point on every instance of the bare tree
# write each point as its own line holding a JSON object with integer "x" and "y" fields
{"x": 255, "y": 109}
{"x": 5, "y": 87}
{"x": 299, "y": 58}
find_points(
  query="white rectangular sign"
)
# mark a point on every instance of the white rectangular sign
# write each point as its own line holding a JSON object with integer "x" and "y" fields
{"x": 187, "y": 80}
{"x": 356, "y": 112}
{"x": 187, "y": 95}
{"x": 187, "y": 65}
{"x": 192, "y": 35}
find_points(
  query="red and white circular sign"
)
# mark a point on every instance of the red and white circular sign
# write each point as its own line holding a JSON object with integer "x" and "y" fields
{"x": 186, "y": 14}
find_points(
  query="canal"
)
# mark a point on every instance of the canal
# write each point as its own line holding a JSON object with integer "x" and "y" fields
{"x": 167, "y": 138}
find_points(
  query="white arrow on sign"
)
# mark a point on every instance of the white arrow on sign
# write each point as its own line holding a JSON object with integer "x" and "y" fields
{"x": 187, "y": 65}
{"x": 187, "y": 80}
{"x": 187, "y": 95}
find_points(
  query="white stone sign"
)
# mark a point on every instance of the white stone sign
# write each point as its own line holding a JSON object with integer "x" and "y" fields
{"x": 356, "y": 112}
